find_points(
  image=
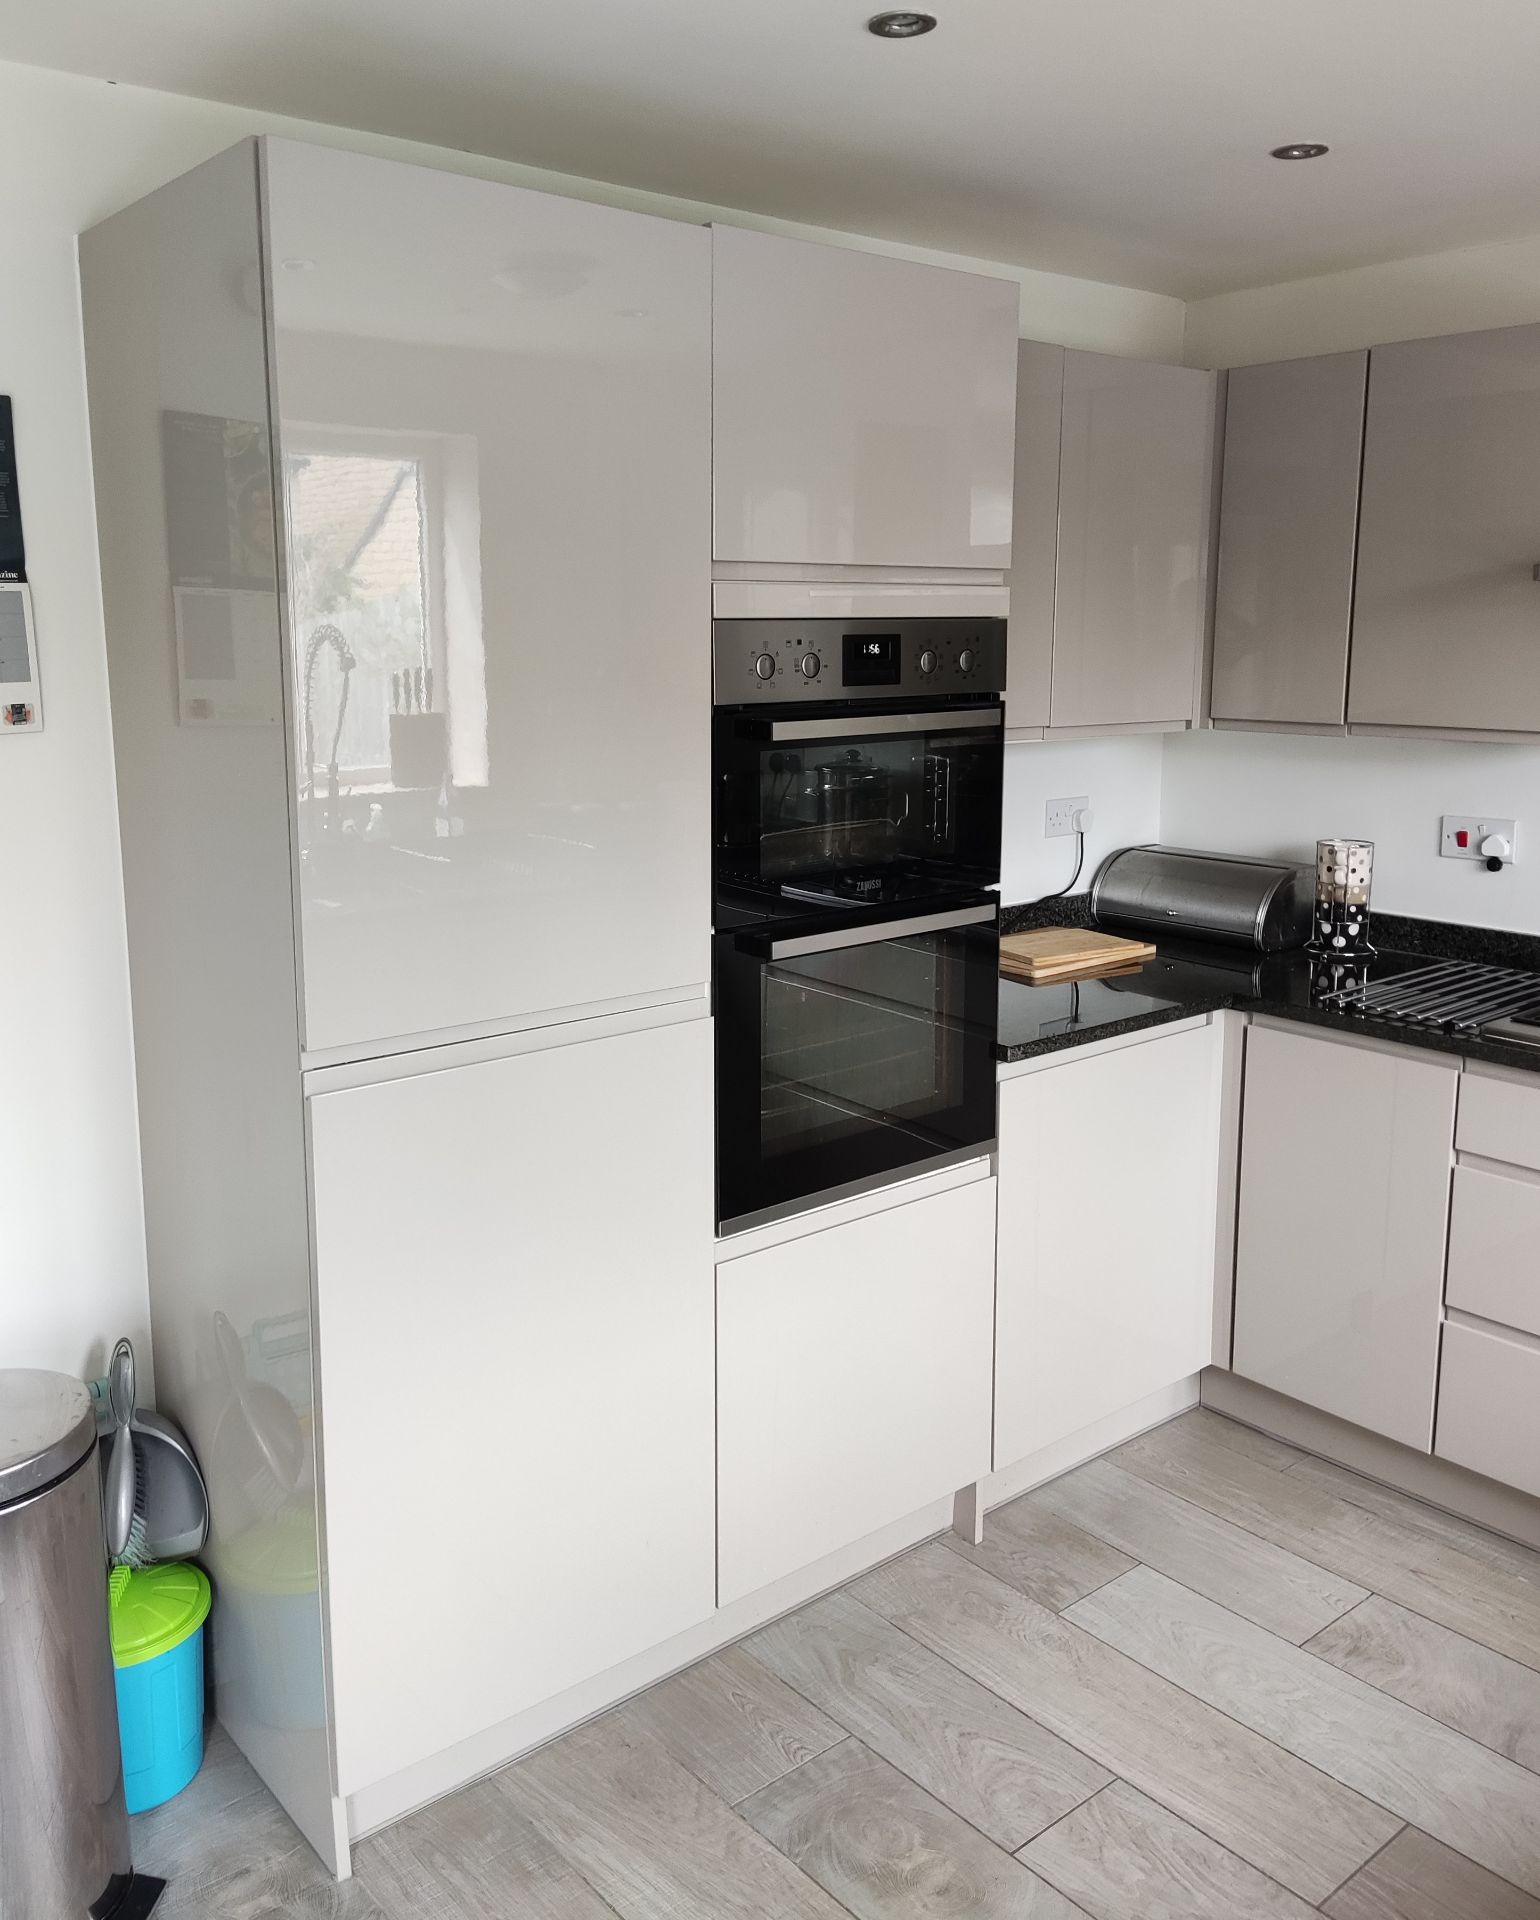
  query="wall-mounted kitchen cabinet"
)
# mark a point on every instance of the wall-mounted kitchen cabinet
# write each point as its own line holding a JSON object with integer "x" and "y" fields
{"x": 1115, "y": 475}
{"x": 864, "y": 407}
{"x": 1447, "y": 615}
{"x": 1283, "y": 611}
{"x": 1108, "y": 1183}
{"x": 1344, "y": 1200}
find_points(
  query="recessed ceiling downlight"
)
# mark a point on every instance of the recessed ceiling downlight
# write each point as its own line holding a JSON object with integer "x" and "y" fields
{"x": 900, "y": 26}
{"x": 1300, "y": 150}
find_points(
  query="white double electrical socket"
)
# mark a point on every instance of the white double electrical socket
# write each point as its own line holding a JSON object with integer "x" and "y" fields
{"x": 1059, "y": 815}
{"x": 1476, "y": 827}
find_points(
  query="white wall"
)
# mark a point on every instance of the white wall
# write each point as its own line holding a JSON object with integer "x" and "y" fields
{"x": 72, "y": 1269}
{"x": 1277, "y": 794}
{"x": 1121, "y": 777}
{"x": 1490, "y": 286}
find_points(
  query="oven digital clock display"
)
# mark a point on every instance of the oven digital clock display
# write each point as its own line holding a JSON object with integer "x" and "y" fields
{"x": 872, "y": 660}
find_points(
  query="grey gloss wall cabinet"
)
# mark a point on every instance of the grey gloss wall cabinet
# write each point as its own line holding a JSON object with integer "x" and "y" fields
{"x": 1446, "y": 627}
{"x": 1344, "y": 1198}
{"x": 1130, "y": 539}
{"x": 1293, "y": 445}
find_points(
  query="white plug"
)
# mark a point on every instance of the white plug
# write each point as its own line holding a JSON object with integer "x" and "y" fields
{"x": 1082, "y": 820}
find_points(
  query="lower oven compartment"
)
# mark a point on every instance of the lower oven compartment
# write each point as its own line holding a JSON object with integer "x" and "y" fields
{"x": 848, "y": 1057}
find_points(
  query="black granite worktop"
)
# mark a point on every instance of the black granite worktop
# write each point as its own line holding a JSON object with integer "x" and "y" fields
{"x": 1187, "y": 978}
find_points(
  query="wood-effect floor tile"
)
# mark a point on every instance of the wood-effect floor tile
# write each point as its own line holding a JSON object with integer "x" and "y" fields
{"x": 1461, "y": 1793}
{"x": 473, "y": 1856}
{"x": 1417, "y": 1517}
{"x": 1469, "y": 1687}
{"x": 1285, "y": 1817}
{"x": 1215, "y": 1429}
{"x": 1266, "y": 1583}
{"x": 645, "y": 1833}
{"x": 734, "y": 1724}
{"x": 1454, "y": 1585}
{"x": 1417, "y": 1879}
{"x": 1122, "y": 1857}
{"x": 886, "y": 1850}
{"x": 998, "y": 1768}
{"x": 1048, "y": 1558}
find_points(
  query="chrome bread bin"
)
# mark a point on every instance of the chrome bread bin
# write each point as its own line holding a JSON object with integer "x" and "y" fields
{"x": 1262, "y": 904}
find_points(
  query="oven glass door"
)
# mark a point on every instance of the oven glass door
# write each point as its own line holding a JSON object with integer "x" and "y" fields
{"x": 850, "y": 1056}
{"x": 859, "y": 806}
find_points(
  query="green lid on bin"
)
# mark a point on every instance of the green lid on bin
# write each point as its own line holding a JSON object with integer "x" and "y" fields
{"x": 156, "y": 1610}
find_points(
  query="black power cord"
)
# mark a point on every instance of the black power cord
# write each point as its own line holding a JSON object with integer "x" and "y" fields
{"x": 1068, "y": 887}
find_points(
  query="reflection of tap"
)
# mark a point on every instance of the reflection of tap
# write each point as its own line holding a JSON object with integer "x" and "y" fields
{"x": 324, "y": 636}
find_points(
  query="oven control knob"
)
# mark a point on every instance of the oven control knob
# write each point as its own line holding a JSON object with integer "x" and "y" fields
{"x": 764, "y": 666}
{"x": 929, "y": 660}
{"x": 810, "y": 666}
{"x": 966, "y": 660}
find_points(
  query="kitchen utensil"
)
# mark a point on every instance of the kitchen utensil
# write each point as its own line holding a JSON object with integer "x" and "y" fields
{"x": 176, "y": 1500}
{"x": 123, "y": 1510}
{"x": 1045, "y": 954}
{"x": 1344, "y": 875}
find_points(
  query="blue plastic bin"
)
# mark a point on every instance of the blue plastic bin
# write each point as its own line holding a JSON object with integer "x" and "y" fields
{"x": 157, "y": 1649}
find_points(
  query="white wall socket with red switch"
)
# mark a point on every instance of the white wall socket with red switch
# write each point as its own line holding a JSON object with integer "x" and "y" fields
{"x": 1471, "y": 836}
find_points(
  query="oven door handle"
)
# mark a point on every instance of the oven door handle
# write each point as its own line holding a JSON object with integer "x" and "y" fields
{"x": 764, "y": 947}
{"x": 863, "y": 726}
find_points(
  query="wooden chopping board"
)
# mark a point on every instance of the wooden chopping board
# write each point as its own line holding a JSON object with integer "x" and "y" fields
{"x": 1047, "y": 954}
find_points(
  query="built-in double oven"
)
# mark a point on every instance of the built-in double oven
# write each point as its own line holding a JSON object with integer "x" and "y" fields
{"x": 857, "y": 768}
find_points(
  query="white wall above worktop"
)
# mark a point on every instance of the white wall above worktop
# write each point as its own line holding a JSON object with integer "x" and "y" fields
{"x": 1275, "y": 795}
{"x": 1120, "y": 776}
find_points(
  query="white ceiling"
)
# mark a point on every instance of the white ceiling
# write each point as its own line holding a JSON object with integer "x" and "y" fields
{"x": 1123, "y": 140}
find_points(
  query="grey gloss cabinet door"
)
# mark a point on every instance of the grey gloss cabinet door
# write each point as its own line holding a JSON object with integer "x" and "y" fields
{"x": 1034, "y": 532}
{"x": 1293, "y": 445}
{"x": 1339, "y": 1273}
{"x": 1447, "y": 615}
{"x": 1136, "y": 476}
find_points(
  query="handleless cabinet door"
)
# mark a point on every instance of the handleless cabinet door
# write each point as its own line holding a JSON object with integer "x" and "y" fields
{"x": 1035, "y": 533}
{"x": 864, "y": 407}
{"x": 495, "y": 443}
{"x": 1446, "y": 628}
{"x": 1105, "y": 1289}
{"x": 1339, "y": 1266}
{"x": 1293, "y": 443}
{"x": 514, "y": 1311}
{"x": 852, "y": 1380}
{"x": 1135, "y": 493}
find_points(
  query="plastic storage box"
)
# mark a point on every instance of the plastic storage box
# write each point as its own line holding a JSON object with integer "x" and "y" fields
{"x": 157, "y": 1649}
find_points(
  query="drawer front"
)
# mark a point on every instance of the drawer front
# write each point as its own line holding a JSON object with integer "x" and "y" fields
{"x": 1499, "y": 1119}
{"x": 1489, "y": 1407}
{"x": 1494, "y": 1248}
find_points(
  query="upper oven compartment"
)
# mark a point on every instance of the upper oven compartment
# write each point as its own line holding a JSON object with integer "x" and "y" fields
{"x": 860, "y": 806}
{"x": 758, "y": 663}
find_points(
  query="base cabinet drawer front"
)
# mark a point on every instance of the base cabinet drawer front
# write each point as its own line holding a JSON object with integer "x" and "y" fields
{"x": 1489, "y": 1407}
{"x": 1494, "y": 1249}
{"x": 1339, "y": 1275}
{"x": 1500, "y": 1120}
{"x": 1108, "y": 1173}
{"x": 853, "y": 1377}
{"x": 514, "y": 1291}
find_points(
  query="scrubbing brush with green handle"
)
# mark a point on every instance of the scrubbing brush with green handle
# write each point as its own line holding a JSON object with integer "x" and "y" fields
{"x": 126, "y": 1488}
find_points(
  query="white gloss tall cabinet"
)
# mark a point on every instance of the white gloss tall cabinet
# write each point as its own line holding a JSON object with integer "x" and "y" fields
{"x": 403, "y": 489}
